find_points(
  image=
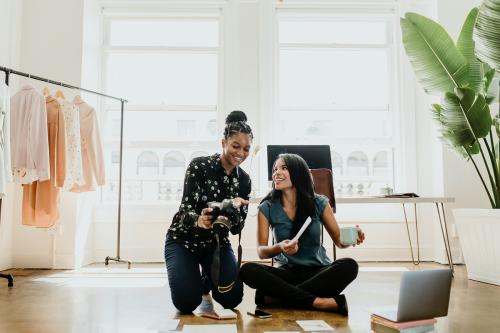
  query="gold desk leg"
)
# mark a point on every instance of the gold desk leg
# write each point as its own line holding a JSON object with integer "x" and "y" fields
{"x": 409, "y": 238}
{"x": 446, "y": 239}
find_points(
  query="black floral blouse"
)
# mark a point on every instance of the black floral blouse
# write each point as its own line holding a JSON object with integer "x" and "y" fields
{"x": 206, "y": 181}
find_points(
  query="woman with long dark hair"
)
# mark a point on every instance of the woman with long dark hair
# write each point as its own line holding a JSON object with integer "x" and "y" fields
{"x": 305, "y": 276}
{"x": 198, "y": 235}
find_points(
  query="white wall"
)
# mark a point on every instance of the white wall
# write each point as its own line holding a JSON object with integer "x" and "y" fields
{"x": 51, "y": 47}
{"x": 10, "y": 31}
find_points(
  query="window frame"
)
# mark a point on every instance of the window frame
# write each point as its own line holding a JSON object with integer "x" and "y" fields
{"x": 170, "y": 12}
{"x": 378, "y": 12}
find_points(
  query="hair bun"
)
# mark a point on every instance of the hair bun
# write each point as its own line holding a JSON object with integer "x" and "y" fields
{"x": 236, "y": 115}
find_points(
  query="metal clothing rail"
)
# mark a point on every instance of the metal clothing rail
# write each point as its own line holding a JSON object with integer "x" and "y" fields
{"x": 9, "y": 71}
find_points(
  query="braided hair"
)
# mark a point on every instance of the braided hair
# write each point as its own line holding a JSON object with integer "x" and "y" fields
{"x": 236, "y": 122}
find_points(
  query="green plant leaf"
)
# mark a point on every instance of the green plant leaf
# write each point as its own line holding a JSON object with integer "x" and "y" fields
{"x": 438, "y": 64}
{"x": 474, "y": 149}
{"x": 496, "y": 124}
{"x": 465, "y": 45}
{"x": 450, "y": 139}
{"x": 488, "y": 77}
{"x": 487, "y": 33}
{"x": 465, "y": 117}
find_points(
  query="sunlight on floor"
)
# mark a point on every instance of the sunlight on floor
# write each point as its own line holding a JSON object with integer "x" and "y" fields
{"x": 98, "y": 277}
{"x": 140, "y": 277}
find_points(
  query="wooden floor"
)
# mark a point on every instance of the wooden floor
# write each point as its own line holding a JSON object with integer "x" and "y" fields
{"x": 114, "y": 299}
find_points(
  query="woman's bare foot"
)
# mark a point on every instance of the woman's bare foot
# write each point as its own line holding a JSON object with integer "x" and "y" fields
{"x": 326, "y": 304}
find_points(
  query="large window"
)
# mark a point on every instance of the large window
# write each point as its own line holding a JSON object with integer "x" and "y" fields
{"x": 168, "y": 69}
{"x": 335, "y": 86}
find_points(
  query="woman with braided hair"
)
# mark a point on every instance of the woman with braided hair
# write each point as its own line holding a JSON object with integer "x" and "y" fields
{"x": 195, "y": 238}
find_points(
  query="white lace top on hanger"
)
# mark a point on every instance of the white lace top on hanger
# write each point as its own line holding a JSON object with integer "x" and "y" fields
{"x": 74, "y": 168}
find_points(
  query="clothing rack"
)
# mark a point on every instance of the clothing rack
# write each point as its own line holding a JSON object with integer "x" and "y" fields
{"x": 8, "y": 72}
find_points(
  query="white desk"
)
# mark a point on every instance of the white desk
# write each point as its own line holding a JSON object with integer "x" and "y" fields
{"x": 438, "y": 201}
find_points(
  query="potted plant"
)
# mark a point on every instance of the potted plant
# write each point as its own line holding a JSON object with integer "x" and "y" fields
{"x": 461, "y": 74}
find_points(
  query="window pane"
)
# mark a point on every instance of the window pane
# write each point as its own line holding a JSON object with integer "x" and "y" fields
{"x": 148, "y": 164}
{"x": 337, "y": 164}
{"x": 174, "y": 165}
{"x": 198, "y": 154}
{"x": 160, "y": 78}
{"x": 329, "y": 31}
{"x": 381, "y": 165}
{"x": 357, "y": 164}
{"x": 115, "y": 156}
{"x": 151, "y": 173}
{"x": 334, "y": 124}
{"x": 334, "y": 79}
{"x": 186, "y": 128}
{"x": 157, "y": 32}
{"x": 166, "y": 126}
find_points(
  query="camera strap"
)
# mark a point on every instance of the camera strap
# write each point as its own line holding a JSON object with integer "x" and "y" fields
{"x": 215, "y": 269}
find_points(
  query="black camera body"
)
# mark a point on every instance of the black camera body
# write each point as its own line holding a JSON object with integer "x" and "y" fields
{"x": 225, "y": 208}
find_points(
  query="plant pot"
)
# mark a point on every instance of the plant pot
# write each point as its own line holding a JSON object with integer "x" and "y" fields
{"x": 479, "y": 232}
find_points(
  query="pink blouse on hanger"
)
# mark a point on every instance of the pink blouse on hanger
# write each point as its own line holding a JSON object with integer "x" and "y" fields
{"x": 28, "y": 136}
{"x": 41, "y": 198}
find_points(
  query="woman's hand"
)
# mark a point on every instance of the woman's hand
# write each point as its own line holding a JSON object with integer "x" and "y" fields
{"x": 289, "y": 247}
{"x": 238, "y": 202}
{"x": 361, "y": 235}
{"x": 205, "y": 219}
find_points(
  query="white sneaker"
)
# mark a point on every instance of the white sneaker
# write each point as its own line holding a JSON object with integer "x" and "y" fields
{"x": 207, "y": 304}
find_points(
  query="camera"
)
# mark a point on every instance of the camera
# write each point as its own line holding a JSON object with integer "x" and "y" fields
{"x": 226, "y": 208}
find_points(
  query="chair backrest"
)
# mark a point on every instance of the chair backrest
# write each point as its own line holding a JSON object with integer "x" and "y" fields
{"x": 323, "y": 184}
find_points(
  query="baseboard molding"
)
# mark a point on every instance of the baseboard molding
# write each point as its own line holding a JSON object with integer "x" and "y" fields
{"x": 484, "y": 279}
{"x": 250, "y": 254}
{"x": 32, "y": 260}
{"x": 131, "y": 254}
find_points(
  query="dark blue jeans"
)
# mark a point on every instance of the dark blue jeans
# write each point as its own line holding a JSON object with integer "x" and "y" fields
{"x": 186, "y": 281}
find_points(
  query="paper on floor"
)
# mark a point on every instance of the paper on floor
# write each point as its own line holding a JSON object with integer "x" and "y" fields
{"x": 314, "y": 325}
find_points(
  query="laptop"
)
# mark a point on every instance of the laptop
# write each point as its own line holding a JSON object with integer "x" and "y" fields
{"x": 422, "y": 295}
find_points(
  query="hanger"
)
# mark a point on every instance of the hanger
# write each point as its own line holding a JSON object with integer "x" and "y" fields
{"x": 77, "y": 99}
{"x": 59, "y": 94}
{"x": 46, "y": 91}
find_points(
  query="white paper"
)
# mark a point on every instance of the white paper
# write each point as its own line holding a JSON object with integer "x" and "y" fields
{"x": 302, "y": 229}
{"x": 314, "y": 325}
{"x": 221, "y": 328}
